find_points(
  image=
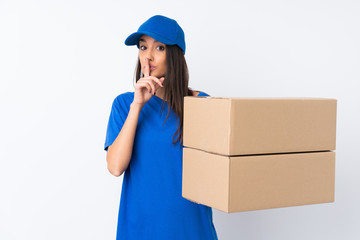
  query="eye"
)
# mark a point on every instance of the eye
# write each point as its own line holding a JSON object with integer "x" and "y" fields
{"x": 142, "y": 47}
{"x": 160, "y": 48}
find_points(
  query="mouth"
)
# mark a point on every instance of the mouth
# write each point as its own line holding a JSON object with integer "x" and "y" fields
{"x": 152, "y": 68}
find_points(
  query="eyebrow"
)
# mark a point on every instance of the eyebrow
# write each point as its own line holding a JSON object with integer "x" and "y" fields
{"x": 143, "y": 40}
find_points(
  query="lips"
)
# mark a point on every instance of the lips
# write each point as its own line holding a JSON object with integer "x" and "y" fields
{"x": 152, "y": 68}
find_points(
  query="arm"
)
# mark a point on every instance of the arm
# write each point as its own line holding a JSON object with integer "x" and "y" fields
{"x": 119, "y": 153}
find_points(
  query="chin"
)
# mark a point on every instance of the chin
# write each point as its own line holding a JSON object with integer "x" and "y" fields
{"x": 158, "y": 75}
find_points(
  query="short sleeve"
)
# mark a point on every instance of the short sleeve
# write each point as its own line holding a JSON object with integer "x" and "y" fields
{"x": 118, "y": 115}
{"x": 203, "y": 94}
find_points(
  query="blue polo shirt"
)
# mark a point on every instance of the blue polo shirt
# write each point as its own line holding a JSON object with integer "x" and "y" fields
{"x": 151, "y": 203}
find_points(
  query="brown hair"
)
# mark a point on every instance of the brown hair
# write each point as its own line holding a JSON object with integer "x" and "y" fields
{"x": 175, "y": 86}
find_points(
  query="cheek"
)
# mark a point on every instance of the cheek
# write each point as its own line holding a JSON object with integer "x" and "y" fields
{"x": 164, "y": 63}
{"x": 141, "y": 58}
{"x": 141, "y": 63}
{"x": 163, "y": 67}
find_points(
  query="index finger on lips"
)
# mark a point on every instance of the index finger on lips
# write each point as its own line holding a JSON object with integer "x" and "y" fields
{"x": 146, "y": 68}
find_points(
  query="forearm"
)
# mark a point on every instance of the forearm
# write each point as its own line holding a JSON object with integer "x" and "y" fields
{"x": 119, "y": 153}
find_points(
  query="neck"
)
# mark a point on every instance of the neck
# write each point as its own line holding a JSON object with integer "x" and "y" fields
{"x": 160, "y": 93}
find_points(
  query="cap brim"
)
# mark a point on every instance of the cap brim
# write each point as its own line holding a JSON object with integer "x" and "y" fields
{"x": 133, "y": 39}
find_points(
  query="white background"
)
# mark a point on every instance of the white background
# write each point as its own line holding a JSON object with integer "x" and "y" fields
{"x": 63, "y": 62}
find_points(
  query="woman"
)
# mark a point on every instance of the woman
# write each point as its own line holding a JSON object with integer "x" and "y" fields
{"x": 147, "y": 145}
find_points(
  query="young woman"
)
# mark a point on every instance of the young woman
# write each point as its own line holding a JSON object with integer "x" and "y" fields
{"x": 146, "y": 144}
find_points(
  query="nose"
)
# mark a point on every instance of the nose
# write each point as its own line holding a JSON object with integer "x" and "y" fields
{"x": 149, "y": 55}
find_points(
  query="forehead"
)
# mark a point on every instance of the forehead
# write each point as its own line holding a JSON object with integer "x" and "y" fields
{"x": 148, "y": 39}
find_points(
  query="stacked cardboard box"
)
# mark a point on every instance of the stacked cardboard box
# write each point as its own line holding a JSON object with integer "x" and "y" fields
{"x": 243, "y": 154}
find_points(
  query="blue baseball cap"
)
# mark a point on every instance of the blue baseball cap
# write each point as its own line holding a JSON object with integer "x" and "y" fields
{"x": 162, "y": 29}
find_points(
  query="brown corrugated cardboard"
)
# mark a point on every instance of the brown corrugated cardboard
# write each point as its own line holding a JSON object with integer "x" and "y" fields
{"x": 240, "y": 126}
{"x": 253, "y": 182}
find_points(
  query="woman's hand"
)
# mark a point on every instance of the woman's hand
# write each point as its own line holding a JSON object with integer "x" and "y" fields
{"x": 146, "y": 87}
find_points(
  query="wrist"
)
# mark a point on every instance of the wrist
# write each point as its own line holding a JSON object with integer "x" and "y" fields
{"x": 136, "y": 106}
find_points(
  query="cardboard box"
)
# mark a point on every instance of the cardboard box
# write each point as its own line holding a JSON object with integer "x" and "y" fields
{"x": 253, "y": 182}
{"x": 243, "y": 154}
{"x": 241, "y": 126}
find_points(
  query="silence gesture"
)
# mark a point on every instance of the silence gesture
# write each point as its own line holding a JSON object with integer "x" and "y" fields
{"x": 146, "y": 86}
